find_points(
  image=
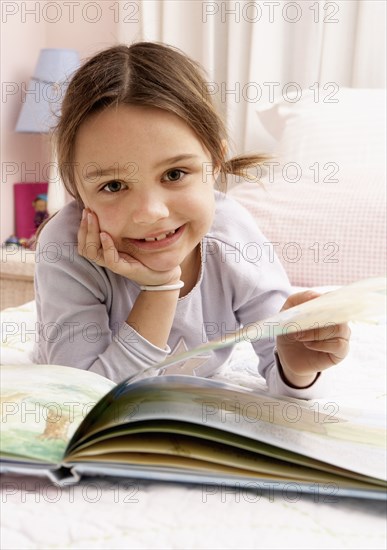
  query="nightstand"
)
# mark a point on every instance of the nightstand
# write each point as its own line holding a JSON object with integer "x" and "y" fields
{"x": 17, "y": 266}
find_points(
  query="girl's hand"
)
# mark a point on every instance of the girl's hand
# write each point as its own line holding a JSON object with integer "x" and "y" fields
{"x": 99, "y": 248}
{"x": 302, "y": 355}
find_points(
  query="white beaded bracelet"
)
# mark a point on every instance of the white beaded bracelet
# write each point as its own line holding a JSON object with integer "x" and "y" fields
{"x": 177, "y": 286}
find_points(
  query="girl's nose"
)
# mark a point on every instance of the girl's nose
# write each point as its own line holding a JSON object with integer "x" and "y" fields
{"x": 149, "y": 208}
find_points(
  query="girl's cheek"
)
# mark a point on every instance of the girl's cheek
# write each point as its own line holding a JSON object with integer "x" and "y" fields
{"x": 112, "y": 229}
{"x": 108, "y": 221}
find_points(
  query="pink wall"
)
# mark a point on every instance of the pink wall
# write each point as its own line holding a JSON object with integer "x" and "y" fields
{"x": 27, "y": 27}
{"x": 21, "y": 41}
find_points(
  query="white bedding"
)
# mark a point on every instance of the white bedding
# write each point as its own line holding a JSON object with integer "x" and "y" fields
{"x": 133, "y": 514}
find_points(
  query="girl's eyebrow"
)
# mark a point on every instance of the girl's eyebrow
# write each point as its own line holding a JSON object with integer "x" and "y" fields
{"x": 92, "y": 174}
{"x": 178, "y": 158}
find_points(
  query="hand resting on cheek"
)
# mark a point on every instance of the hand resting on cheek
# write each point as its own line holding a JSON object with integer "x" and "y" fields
{"x": 99, "y": 247}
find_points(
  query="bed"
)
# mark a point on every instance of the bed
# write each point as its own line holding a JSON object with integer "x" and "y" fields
{"x": 326, "y": 233}
{"x": 119, "y": 513}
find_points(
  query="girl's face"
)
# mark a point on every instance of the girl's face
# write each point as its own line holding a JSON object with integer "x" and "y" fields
{"x": 149, "y": 180}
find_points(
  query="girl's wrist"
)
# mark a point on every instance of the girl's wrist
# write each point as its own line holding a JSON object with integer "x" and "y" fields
{"x": 297, "y": 380}
{"x": 293, "y": 379}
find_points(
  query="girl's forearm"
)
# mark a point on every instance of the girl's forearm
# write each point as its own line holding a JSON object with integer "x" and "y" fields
{"x": 152, "y": 315}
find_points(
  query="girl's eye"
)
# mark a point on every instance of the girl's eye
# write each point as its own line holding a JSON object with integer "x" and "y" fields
{"x": 174, "y": 175}
{"x": 113, "y": 187}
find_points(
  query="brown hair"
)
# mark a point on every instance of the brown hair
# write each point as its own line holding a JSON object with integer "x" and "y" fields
{"x": 145, "y": 73}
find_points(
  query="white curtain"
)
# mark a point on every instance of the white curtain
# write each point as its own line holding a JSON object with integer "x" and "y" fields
{"x": 254, "y": 52}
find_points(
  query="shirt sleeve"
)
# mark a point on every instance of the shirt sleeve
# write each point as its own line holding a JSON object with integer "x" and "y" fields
{"x": 269, "y": 288}
{"x": 73, "y": 321}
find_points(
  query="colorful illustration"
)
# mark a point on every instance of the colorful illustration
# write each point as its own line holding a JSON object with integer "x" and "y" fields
{"x": 38, "y": 415}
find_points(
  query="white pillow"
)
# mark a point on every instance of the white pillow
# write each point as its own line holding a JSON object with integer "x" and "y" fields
{"x": 324, "y": 199}
{"x": 346, "y": 127}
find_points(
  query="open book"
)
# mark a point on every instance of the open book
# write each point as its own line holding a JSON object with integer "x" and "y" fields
{"x": 66, "y": 423}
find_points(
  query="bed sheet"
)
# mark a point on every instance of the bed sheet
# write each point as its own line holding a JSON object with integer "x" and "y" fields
{"x": 122, "y": 513}
{"x": 139, "y": 515}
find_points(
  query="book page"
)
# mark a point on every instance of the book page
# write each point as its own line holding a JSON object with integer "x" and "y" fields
{"x": 139, "y": 447}
{"x": 363, "y": 301}
{"x": 42, "y": 406}
{"x": 189, "y": 440}
{"x": 288, "y": 424}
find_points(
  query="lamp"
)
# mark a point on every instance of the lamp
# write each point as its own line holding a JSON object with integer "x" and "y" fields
{"x": 41, "y": 107}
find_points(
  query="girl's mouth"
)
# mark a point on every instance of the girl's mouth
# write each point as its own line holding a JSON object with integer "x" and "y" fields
{"x": 157, "y": 243}
{"x": 159, "y": 237}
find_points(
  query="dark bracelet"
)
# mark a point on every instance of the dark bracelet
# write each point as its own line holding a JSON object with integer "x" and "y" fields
{"x": 285, "y": 381}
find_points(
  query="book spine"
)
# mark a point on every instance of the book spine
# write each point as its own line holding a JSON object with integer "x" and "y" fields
{"x": 60, "y": 475}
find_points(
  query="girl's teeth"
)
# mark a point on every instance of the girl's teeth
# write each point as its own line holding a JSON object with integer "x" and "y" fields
{"x": 160, "y": 237}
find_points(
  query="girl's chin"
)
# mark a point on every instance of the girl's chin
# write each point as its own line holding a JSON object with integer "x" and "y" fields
{"x": 163, "y": 260}
{"x": 159, "y": 264}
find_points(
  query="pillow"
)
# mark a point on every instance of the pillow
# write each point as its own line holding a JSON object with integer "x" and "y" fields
{"x": 322, "y": 204}
{"x": 346, "y": 127}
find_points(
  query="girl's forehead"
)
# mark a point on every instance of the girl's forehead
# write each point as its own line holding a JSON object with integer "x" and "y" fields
{"x": 116, "y": 114}
{"x": 136, "y": 128}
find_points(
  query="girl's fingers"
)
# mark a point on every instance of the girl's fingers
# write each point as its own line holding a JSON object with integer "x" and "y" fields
{"x": 337, "y": 350}
{"x": 89, "y": 243}
{"x": 82, "y": 233}
{"x": 330, "y": 331}
{"x": 333, "y": 340}
{"x": 328, "y": 346}
{"x": 113, "y": 260}
{"x": 110, "y": 253}
{"x": 299, "y": 298}
{"x": 92, "y": 228}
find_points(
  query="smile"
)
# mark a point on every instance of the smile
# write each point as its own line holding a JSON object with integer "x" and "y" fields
{"x": 158, "y": 242}
{"x": 159, "y": 237}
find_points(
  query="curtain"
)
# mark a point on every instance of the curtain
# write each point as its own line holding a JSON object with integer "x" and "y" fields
{"x": 256, "y": 52}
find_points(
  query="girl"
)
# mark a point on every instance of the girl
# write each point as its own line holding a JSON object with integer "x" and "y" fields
{"x": 149, "y": 259}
